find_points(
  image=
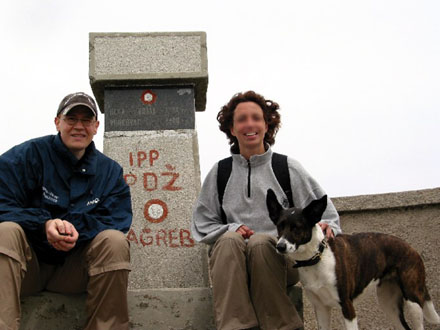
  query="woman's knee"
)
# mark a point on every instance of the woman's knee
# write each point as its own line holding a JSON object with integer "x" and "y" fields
{"x": 227, "y": 246}
{"x": 263, "y": 240}
{"x": 229, "y": 239}
{"x": 231, "y": 235}
{"x": 260, "y": 247}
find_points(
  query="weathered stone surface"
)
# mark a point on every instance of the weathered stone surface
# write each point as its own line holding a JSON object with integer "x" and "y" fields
{"x": 161, "y": 168}
{"x": 387, "y": 201}
{"x": 48, "y": 310}
{"x": 146, "y": 59}
{"x": 163, "y": 309}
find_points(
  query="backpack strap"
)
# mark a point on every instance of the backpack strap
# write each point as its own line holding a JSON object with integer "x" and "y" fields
{"x": 279, "y": 167}
{"x": 223, "y": 173}
{"x": 281, "y": 170}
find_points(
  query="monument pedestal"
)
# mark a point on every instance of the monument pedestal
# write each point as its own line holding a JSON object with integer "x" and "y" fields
{"x": 149, "y": 86}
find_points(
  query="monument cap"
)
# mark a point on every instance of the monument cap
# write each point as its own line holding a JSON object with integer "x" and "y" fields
{"x": 75, "y": 99}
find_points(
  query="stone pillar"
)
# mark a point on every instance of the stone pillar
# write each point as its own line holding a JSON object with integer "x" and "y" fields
{"x": 149, "y": 86}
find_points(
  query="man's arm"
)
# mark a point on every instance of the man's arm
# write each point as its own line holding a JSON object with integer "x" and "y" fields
{"x": 17, "y": 182}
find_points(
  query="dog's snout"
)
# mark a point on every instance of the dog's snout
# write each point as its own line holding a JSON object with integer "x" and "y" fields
{"x": 281, "y": 247}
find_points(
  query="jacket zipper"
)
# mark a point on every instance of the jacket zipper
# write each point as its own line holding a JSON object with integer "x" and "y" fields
{"x": 249, "y": 179}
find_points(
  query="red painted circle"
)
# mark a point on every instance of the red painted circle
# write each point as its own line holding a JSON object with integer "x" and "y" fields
{"x": 160, "y": 203}
{"x": 148, "y": 97}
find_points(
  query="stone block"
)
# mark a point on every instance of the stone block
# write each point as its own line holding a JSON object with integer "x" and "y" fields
{"x": 161, "y": 168}
{"x": 139, "y": 59}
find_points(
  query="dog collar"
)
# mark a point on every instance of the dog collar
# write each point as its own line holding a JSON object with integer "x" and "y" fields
{"x": 313, "y": 260}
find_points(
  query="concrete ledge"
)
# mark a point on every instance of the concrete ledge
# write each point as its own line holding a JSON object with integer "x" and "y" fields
{"x": 165, "y": 309}
{"x": 48, "y": 310}
{"x": 387, "y": 201}
{"x": 158, "y": 309}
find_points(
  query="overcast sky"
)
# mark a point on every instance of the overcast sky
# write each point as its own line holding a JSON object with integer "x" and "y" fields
{"x": 358, "y": 82}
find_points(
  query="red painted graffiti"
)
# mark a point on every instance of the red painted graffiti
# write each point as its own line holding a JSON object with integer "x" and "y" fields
{"x": 155, "y": 210}
{"x": 141, "y": 156}
{"x": 172, "y": 238}
{"x": 150, "y": 180}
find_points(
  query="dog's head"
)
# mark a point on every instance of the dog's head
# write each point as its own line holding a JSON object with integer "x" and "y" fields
{"x": 294, "y": 225}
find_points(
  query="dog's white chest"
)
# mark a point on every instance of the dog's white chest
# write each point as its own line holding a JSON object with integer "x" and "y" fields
{"x": 320, "y": 279}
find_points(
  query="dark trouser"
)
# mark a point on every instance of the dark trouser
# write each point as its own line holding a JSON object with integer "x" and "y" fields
{"x": 100, "y": 268}
{"x": 249, "y": 284}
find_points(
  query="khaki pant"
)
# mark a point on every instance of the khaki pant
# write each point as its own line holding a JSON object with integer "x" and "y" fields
{"x": 100, "y": 268}
{"x": 249, "y": 283}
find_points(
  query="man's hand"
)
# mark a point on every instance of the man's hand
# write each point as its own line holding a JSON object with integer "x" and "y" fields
{"x": 245, "y": 231}
{"x": 328, "y": 231}
{"x": 61, "y": 234}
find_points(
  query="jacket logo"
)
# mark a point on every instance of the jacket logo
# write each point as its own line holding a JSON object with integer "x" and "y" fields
{"x": 93, "y": 201}
{"x": 49, "y": 195}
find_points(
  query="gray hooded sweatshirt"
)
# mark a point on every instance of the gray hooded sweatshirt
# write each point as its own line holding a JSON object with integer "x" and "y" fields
{"x": 244, "y": 200}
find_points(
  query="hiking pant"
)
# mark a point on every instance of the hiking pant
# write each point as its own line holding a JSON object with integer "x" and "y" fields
{"x": 249, "y": 283}
{"x": 99, "y": 268}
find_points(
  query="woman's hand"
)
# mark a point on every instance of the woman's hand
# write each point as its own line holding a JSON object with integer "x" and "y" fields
{"x": 245, "y": 231}
{"x": 328, "y": 231}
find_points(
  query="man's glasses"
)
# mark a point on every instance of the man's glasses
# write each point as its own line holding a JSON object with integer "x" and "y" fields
{"x": 71, "y": 121}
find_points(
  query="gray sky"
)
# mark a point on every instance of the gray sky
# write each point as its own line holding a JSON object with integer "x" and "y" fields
{"x": 357, "y": 81}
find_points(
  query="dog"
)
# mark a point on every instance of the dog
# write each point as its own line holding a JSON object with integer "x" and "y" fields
{"x": 334, "y": 272}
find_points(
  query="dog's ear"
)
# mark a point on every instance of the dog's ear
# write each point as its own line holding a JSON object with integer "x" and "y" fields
{"x": 273, "y": 206}
{"x": 314, "y": 211}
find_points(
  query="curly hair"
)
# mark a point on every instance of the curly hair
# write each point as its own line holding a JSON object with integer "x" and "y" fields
{"x": 225, "y": 117}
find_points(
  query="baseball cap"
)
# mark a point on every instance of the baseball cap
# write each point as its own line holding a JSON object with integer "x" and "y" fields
{"x": 75, "y": 99}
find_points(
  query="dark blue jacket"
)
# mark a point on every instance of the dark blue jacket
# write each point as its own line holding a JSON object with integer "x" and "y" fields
{"x": 41, "y": 179}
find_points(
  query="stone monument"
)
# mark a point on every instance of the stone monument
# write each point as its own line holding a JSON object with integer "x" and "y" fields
{"x": 149, "y": 86}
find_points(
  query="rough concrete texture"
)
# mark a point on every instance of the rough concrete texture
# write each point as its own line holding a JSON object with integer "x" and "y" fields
{"x": 413, "y": 216}
{"x": 171, "y": 309}
{"x": 162, "y": 170}
{"x": 164, "y": 309}
{"x": 388, "y": 201}
{"x": 135, "y": 59}
{"x": 50, "y": 311}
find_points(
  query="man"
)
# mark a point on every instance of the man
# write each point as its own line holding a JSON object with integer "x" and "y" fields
{"x": 64, "y": 209}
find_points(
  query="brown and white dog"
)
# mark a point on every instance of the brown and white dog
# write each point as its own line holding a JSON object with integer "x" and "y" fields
{"x": 334, "y": 273}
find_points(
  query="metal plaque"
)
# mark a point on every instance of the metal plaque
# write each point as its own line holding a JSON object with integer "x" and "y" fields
{"x": 149, "y": 108}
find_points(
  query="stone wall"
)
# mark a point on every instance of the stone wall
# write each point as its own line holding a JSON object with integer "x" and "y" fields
{"x": 413, "y": 216}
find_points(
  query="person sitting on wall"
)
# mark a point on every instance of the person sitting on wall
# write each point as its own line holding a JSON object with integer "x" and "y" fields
{"x": 249, "y": 278}
{"x": 64, "y": 209}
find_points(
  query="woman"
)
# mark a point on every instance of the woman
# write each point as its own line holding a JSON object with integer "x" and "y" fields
{"x": 249, "y": 278}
